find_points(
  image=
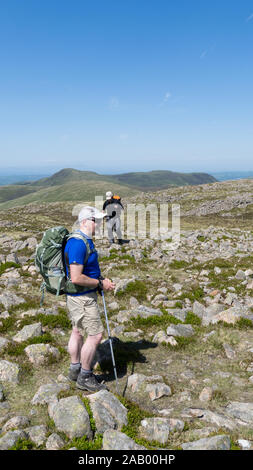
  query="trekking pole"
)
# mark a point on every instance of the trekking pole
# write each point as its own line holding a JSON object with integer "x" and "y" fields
{"x": 110, "y": 341}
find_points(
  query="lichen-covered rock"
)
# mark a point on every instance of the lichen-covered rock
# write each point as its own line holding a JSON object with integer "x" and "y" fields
{"x": 158, "y": 390}
{"x": 161, "y": 337}
{"x": 28, "y": 332}
{"x": 158, "y": 429}
{"x": 3, "y": 343}
{"x": 71, "y": 417}
{"x": 37, "y": 434}
{"x": 54, "y": 442}
{"x": 16, "y": 422}
{"x": 9, "y": 372}
{"x": 7, "y": 298}
{"x": 116, "y": 440}
{"x": 40, "y": 354}
{"x": 10, "y": 439}
{"x": 136, "y": 381}
{"x": 221, "y": 442}
{"x": 180, "y": 330}
{"x": 107, "y": 411}
{"x": 241, "y": 411}
{"x": 47, "y": 392}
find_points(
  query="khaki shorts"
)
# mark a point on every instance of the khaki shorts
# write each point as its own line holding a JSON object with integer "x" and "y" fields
{"x": 84, "y": 313}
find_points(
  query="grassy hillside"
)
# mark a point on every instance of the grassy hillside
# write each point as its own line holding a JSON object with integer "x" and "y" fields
{"x": 69, "y": 192}
{"x": 155, "y": 180}
{"x": 75, "y": 185}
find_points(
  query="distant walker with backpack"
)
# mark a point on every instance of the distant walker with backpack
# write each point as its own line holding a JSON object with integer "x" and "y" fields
{"x": 113, "y": 207}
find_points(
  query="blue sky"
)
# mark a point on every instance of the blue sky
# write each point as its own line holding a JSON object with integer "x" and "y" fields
{"x": 133, "y": 85}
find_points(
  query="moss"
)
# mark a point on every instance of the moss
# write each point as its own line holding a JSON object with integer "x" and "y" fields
{"x": 192, "y": 319}
{"x": 178, "y": 264}
{"x": 137, "y": 288}
{"x": 82, "y": 443}
{"x": 154, "y": 320}
{"x": 89, "y": 411}
{"x": 23, "y": 444}
{"x": 242, "y": 324}
{"x": 24, "y": 306}
{"x": 195, "y": 294}
{"x": 17, "y": 349}
{"x": 8, "y": 265}
{"x": 201, "y": 238}
{"x": 182, "y": 343}
{"x": 178, "y": 305}
{"x": 54, "y": 321}
{"x": 7, "y": 324}
{"x": 134, "y": 416}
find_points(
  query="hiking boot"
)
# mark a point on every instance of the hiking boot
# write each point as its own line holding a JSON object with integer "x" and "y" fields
{"x": 120, "y": 241}
{"x": 89, "y": 382}
{"x": 73, "y": 373}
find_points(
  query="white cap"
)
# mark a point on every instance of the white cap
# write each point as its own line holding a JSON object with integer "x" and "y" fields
{"x": 89, "y": 212}
{"x": 108, "y": 195}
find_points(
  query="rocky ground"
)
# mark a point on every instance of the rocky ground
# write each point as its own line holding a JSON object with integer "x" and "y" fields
{"x": 182, "y": 323}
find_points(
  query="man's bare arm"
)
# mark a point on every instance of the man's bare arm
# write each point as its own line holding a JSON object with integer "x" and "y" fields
{"x": 77, "y": 277}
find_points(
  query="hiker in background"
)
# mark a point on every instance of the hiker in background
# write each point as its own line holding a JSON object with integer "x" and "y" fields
{"x": 82, "y": 306}
{"x": 113, "y": 207}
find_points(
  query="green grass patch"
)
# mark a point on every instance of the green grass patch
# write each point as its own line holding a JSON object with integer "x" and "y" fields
{"x": 89, "y": 411}
{"x": 138, "y": 289}
{"x": 17, "y": 349}
{"x": 192, "y": 319}
{"x": 7, "y": 324}
{"x": 178, "y": 264}
{"x": 164, "y": 320}
{"x": 23, "y": 444}
{"x": 83, "y": 443}
{"x": 195, "y": 294}
{"x": 8, "y": 265}
{"x": 182, "y": 343}
{"x": 24, "y": 306}
{"x": 242, "y": 324}
{"x": 53, "y": 321}
{"x": 201, "y": 238}
{"x": 135, "y": 415}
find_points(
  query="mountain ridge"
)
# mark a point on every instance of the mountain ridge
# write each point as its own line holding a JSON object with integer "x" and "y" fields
{"x": 71, "y": 184}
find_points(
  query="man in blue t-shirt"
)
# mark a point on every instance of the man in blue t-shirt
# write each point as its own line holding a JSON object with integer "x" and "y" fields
{"x": 84, "y": 272}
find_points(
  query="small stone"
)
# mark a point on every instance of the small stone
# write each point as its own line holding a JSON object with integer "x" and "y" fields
{"x": 230, "y": 353}
{"x": 37, "y": 434}
{"x": 244, "y": 444}
{"x": 158, "y": 429}
{"x": 9, "y": 372}
{"x": 54, "y": 442}
{"x": 16, "y": 422}
{"x": 240, "y": 275}
{"x": 40, "y": 354}
{"x": 113, "y": 306}
{"x": 116, "y": 440}
{"x": 206, "y": 394}
{"x": 221, "y": 442}
{"x": 10, "y": 439}
{"x": 158, "y": 390}
{"x": 180, "y": 330}
{"x": 28, "y": 332}
{"x": 3, "y": 343}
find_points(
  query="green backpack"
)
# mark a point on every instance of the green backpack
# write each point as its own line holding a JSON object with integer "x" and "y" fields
{"x": 49, "y": 260}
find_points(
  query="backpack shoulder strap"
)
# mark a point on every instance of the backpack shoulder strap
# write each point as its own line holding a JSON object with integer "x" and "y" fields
{"x": 79, "y": 236}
